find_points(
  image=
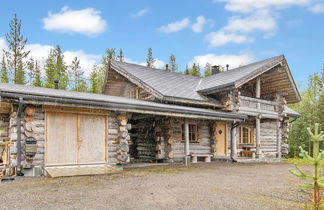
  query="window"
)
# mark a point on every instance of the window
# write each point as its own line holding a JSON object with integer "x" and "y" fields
{"x": 192, "y": 133}
{"x": 134, "y": 93}
{"x": 246, "y": 135}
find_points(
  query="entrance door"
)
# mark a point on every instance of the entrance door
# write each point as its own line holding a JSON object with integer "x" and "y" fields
{"x": 75, "y": 139}
{"x": 221, "y": 138}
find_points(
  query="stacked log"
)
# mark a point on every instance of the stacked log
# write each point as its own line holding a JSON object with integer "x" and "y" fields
{"x": 284, "y": 139}
{"x": 123, "y": 139}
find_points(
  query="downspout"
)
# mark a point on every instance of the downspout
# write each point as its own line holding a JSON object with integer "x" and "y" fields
{"x": 19, "y": 116}
{"x": 233, "y": 126}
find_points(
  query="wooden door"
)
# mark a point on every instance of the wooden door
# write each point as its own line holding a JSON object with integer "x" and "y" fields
{"x": 221, "y": 138}
{"x": 61, "y": 135}
{"x": 92, "y": 139}
{"x": 75, "y": 139}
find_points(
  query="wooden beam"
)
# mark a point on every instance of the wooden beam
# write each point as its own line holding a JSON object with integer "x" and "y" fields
{"x": 258, "y": 88}
{"x": 278, "y": 139}
{"x": 258, "y": 127}
{"x": 186, "y": 141}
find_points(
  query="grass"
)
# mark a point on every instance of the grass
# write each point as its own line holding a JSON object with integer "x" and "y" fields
{"x": 297, "y": 161}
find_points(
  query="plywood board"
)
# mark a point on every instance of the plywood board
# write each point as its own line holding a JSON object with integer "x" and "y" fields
{"x": 61, "y": 135}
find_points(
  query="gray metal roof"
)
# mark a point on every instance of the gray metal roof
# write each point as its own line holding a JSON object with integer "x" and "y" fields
{"x": 100, "y": 100}
{"x": 291, "y": 112}
{"x": 179, "y": 85}
{"x": 171, "y": 84}
{"x": 228, "y": 78}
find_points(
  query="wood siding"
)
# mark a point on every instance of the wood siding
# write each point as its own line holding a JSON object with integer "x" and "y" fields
{"x": 117, "y": 85}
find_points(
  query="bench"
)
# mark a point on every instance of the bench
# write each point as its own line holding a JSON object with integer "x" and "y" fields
{"x": 206, "y": 156}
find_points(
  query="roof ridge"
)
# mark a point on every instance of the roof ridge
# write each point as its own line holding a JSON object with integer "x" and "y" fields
{"x": 250, "y": 64}
{"x": 155, "y": 69}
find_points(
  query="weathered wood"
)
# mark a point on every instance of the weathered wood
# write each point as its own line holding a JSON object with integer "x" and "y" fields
{"x": 30, "y": 110}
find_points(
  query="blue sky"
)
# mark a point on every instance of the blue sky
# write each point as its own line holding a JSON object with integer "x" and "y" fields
{"x": 216, "y": 31}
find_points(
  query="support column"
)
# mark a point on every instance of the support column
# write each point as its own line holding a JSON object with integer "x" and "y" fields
{"x": 186, "y": 142}
{"x": 257, "y": 122}
{"x": 258, "y": 129}
{"x": 278, "y": 139}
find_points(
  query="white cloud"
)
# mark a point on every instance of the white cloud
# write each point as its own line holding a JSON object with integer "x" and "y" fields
{"x": 3, "y": 46}
{"x": 87, "y": 21}
{"x": 233, "y": 60}
{"x": 247, "y": 6}
{"x": 159, "y": 64}
{"x": 140, "y": 13}
{"x": 317, "y": 8}
{"x": 175, "y": 26}
{"x": 220, "y": 38}
{"x": 38, "y": 52}
{"x": 260, "y": 20}
{"x": 198, "y": 26}
{"x": 86, "y": 60}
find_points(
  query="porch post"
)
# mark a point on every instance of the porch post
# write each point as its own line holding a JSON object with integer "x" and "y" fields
{"x": 257, "y": 122}
{"x": 186, "y": 142}
{"x": 278, "y": 139}
{"x": 258, "y": 127}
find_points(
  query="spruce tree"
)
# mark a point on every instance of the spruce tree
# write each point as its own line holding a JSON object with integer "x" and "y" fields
{"x": 121, "y": 55}
{"x": 208, "y": 70}
{"x": 150, "y": 60}
{"x": 61, "y": 68}
{"x": 93, "y": 79}
{"x": 4, "y": 71}
{"x": 16, "y": 53}
{"x": 50, "y": 71}
{"x": 37, "y": 77}
{"x": 186, "y": 71}
{"x": 172, "y": 63}
{"x": 30, "y": 70}
{"x": 195, "y": 70}
{"x": 76, "y": 73}
{"x": 55, "y": 68}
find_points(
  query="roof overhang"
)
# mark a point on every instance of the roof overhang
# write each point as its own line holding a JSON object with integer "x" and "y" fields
{"x": 136, "y": 107}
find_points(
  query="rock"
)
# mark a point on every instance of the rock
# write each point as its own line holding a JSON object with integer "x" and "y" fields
{"x": 128, "y": 126}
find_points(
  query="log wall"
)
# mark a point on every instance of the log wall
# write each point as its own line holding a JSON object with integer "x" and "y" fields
{"x": 117, "y": 85}
{"x": 268, "y": 138}
{"x": 33, "y": 125}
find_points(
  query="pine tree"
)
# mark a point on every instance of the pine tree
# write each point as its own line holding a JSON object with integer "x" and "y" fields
{"x": 94, "y": 84}
{"x": 172, "y": 63}
{"x": 61, "y": 68}
{"x": 50, "y": 71}
{"x": 195, "y": 70}
{"x": 150, "y": 60}
{"x": 208, "y": 70}
{"x": 55, "y": 68}
{"x": 4, "y": 71}
{"x": 121, "y": 55}
{"x": 76, "y": 73}
{"x": 186, "y": 71}
{"x": 37, "y": 81}
{"x": 16, "y": 53}
{"x": 31, "y": 69}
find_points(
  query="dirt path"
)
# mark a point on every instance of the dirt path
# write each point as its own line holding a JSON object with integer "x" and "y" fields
{"x": 203, "y": 186}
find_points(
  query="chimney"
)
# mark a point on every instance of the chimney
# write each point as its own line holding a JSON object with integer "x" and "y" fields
{"x": 215, "y": 69}
{"x": 227, "y": 65}
{"x": 167, "y": 67}
{"x": 56, "y": 81}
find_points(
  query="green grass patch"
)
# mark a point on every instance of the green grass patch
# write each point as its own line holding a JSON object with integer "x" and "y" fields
{"x": 297, "y": 161}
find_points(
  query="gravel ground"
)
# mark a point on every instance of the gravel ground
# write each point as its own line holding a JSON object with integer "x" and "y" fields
{"x": 202, "y": 186}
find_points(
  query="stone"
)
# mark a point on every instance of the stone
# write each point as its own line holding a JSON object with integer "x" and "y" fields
{"x": 112, "y": 131}
{"x": 128, "y": 126}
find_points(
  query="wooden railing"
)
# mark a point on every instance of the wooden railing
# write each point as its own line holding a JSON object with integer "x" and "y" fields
{"x": 255, "y": 107}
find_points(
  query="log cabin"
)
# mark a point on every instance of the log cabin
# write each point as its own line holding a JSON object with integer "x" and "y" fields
{"x": 148, "y": 115}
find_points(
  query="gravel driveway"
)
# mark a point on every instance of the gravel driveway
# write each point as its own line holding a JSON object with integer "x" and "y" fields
{"x": 202, "y": 186}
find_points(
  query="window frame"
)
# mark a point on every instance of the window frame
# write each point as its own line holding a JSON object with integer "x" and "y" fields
{"x": 250, "y": 135}
{"x": 192, "y": 133}
{"x": 134, "y": 93}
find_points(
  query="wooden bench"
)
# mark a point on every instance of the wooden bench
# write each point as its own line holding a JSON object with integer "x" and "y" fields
{"x": 206, "y": 156}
